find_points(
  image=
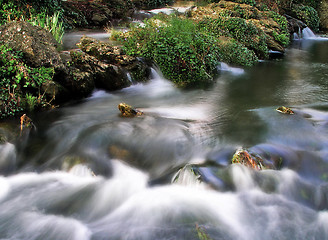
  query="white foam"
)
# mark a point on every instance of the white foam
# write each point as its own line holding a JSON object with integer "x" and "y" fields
{"x": 233, "y": 70}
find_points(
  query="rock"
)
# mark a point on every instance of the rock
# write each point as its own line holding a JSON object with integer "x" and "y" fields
{"x": 244, "y": 157}
{"x": 114, "y": 55}
{"x": 266, "y": 22}
{"x": 284, "y": 110}
{"x": 39, "y": 49}
{"x": 37, "y": 44}
{"x": 295, "y": 25}
{"x": 128, "y": 111}
{"x": 99, "y": 19}
{"x": 87, "y": 72}
{"x": 26, "y": 123}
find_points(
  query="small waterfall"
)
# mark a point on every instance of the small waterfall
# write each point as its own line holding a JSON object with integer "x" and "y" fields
{"x": 308, "y": 34}
{"x": 129, "y": 77}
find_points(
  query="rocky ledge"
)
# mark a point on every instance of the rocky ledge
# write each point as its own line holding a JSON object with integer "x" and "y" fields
{"x": 76, "y": 73}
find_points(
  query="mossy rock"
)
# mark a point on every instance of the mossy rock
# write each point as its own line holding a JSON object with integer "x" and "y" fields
{"x": 38, "y": 45}
{"x": 257, "y": 30}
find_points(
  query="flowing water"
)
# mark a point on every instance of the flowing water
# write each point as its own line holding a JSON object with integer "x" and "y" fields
{"x": 87, "y": 173}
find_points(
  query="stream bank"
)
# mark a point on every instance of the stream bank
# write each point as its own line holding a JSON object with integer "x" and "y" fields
{"x": 74, "y": 74}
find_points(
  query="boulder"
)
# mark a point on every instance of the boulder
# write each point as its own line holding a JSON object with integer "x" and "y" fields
{"x": 244, "y": 157}
{"x": 114, "y": 55}
{"x": 39, "y": 49}
{"x": 87, "y": 72}
{"x": 38, "y": 45}
{"x": 128, "y": 111}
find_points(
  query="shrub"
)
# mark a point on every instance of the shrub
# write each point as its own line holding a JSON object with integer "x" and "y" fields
{"x": 308, "y": 15}
{"x": 16, "y": 78}
{"x": 150, "y": 4}
{"x": 186, "y": 53}
{"x": 44, "y": 14}
{"x": 245, "y": 33}
{"x": 50, "y": 23}
{"x": 185, "y": 56}
{"x": 282, "y": 35}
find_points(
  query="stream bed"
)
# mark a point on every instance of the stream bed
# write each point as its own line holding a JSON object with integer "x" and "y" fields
{"x": 87, "y": 173}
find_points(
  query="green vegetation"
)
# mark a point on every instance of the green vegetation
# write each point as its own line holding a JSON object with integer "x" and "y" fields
{"x": 308, "y": 15}
{"x": 46, "y": 14}
{"x": 50, "y": 23}
{"x": 15, "y": 76}
{"x": 186, "y": 53}
{"x": 237, "y": 28}
{"x": 282, "y": 35}
{"x": 201, "y": 233}
{"x": 150, "y": 4}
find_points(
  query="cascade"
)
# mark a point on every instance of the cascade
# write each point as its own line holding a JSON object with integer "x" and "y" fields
{"x": 308, "y": 34}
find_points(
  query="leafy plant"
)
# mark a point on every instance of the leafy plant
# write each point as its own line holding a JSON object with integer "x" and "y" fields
{"x": 50, "y": 23}
{"x": 186, "y": 53}
{"x": 46, "y": 14}
{"x": 282, "y": 35}
{"x": 308, "y": 15}
{"x": 240, "y": 30}
{"x": 17, "y": 78}
{"x": 31, "y": 101}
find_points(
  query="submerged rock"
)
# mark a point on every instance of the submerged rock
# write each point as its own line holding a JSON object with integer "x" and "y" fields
{"x": 128, "y": 111}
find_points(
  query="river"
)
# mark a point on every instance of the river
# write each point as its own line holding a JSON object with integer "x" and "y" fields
{"x": 87, "y": 173}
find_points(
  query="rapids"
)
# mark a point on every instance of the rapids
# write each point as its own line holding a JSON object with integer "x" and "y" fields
{"x": 87, "y": 173}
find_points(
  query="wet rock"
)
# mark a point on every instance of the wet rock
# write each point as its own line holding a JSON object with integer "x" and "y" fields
{"x": 285, "y": 110}
{"x": 77, "y": 166}
{"x": 295, "y": 25}
{"x": 26, "y": 123}
{"x": 248, "y": 159}
{"x": 127, "y": 111}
